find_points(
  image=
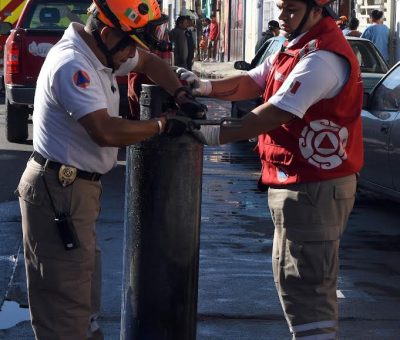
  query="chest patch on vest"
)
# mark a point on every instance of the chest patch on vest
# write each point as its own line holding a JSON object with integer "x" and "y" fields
{"x": 323, "y": 144}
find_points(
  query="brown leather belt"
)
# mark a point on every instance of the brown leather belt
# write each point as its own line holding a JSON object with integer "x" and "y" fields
{"x": 90, "y": 176}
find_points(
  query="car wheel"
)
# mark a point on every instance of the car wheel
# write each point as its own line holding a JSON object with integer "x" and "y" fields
{"x": 16, "y": 122}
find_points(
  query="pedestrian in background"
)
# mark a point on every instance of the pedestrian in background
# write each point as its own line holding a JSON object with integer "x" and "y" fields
{"x": 378, "y": 33}
{"x": 190, "y": 33}
{"x": 199, "y": 30}
{"x": 272, "y": 31}
{"x": 203, "y": 48}
{"x": 204, "y": 37}
{"x": 311, "y": 148}
{"x": 180, "y": 45}
{"x": 76, "y": 136}
{"x": 352, "y": 30}
{"x": 213, "y": 39}
{"x": 342, "y": 22}
{"x": 206, "y": 27}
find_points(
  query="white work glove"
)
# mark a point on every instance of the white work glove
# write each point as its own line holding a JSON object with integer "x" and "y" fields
{"x": 207, "y": 134}
{"x": 200, "y": 87}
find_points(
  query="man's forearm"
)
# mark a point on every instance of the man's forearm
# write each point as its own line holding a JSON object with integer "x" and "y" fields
{"x": 234, "y": 88}
{"x": 162, "y": 74}
{"x": 262, "y": 119}
{"x": 224, "y": 89}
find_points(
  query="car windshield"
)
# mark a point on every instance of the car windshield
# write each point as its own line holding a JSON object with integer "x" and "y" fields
{"x": 57, "y": 15}
{"x": 367, "y": 54}
{"x": 274, "y": 45}
{"x": 368, "y": 57}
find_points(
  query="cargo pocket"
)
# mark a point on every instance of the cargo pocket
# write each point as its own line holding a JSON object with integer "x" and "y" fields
{"x": 344, "y": 195}
{"x": 345, "y": 191}
{"x": 313, "y": 262}
{"x": 293, "y": 209}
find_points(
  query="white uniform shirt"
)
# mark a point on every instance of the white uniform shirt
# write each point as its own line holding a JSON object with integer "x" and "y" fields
{"x": 318, "y": 75}
{"x": 71, "y": 84}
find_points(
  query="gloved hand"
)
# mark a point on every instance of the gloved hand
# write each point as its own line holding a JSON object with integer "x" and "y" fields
{"x": 200, "y": 87}
{"x": 205, "y": 134}
{"x": 176, "y": 126}
{"x": 188, "y": 105}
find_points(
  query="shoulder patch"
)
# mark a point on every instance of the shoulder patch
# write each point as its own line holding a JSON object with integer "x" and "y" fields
{"x": 294, "y": 86}
{"x": 81, "y": 79}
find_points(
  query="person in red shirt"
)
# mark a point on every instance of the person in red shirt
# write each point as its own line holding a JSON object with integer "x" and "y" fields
{"x": 213, "y": 38}
{"x": 311, "y": 149}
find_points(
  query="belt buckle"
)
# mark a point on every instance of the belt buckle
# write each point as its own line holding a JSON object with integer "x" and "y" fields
{"x": 67, "y": 175}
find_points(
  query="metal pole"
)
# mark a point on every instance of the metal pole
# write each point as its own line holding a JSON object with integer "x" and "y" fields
{"x": 162, "y": 224}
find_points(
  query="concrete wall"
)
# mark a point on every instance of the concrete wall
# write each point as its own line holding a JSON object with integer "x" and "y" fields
{"x": 258, "y": 14}
{"x": 251, "y": 23}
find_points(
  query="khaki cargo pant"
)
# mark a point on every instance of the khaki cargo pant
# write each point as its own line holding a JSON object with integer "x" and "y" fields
{"x": 309, "y": 220}
{"x": 64, "y": 287}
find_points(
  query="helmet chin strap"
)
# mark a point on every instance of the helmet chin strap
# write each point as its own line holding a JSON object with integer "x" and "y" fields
{"x": 102, "y": 46}
{"x": 303, "y": 21}
{"x": 123, "y": 43}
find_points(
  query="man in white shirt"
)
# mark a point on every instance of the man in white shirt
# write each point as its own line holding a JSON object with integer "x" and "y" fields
{"x": 76, "y": 135}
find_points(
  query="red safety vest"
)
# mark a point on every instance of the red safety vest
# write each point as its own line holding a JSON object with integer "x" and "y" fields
{"x": 327, "y": 142}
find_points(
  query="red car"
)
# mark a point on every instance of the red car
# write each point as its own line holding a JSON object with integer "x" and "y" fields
{"x": 10, "y": 11}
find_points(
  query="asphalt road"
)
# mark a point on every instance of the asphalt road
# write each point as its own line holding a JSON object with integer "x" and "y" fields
{"x": 236, "y": 299}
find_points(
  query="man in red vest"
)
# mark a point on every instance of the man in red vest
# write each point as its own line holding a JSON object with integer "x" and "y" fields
{"x": 311, "y": 148}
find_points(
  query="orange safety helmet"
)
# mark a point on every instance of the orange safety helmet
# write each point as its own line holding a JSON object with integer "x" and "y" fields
{"x": 142, "y": 20}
